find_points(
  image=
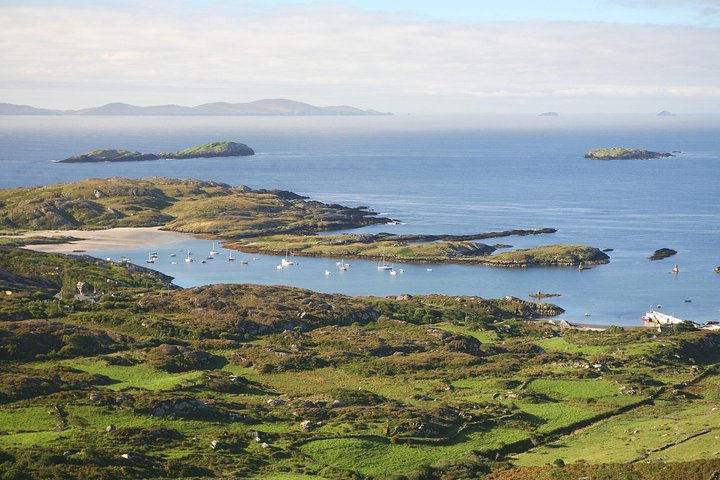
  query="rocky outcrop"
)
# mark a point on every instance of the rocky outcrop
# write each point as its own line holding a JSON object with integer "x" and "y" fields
{"x": 111, "y": 155}
{"x": 662, "y": 253}
{"x": 214, "y": 149}
{"x": 622, "y": 153}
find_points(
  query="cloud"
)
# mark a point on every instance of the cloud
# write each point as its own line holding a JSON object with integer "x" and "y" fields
{"x": 327, "y": 52}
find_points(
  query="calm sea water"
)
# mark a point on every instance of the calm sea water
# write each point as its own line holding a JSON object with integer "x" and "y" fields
{"x": 441, "y": 175}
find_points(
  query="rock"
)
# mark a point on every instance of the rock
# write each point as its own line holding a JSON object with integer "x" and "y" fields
{"x": 215, "y": 444}
{"x": 308, "y": 425}
{"x": 257, "y": 436}
{"x": 95, "y": 397}
{"x": 275, "y": 402}
{"x": 84, "y": 288}
{"x": 403, "y": 297}
{"x": 265, "y": 445}
{"x": 110, "y": 428}
{"x": 126, "y": 456}
{"x": 338, "y": 404}
{"x": 662, "y": 253}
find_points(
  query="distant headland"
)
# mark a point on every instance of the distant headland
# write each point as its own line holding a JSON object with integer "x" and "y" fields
{"x": 208, "y": 150}
{"x": 265, "y": 107}
{"x": 622, "y": 153}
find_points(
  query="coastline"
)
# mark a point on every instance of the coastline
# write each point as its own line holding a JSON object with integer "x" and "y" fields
{"x": 109, "y": 239}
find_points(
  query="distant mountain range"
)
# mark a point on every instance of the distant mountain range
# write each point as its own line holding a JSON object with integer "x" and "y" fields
{"x": 260, "y": 107}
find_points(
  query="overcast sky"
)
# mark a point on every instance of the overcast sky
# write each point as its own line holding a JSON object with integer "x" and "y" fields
{"x": 453, "y": 56}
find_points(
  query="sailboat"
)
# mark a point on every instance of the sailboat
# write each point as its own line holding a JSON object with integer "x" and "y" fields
{"x": 342, "y": 265}
{"x": 230, "y": 257}
{"x": 151, "y": 258}
{"x": 382, "y": 265}
{"x": 213, "y": 252}
{"x": 188, "y": 257}
{"x": 285, "y": 262}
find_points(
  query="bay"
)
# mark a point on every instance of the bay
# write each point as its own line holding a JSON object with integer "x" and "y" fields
{"x": 455, "y": 175}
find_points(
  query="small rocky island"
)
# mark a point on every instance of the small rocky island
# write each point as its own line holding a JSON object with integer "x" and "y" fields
{"x": 208, "y": 150}
{"x": 662, "y": 253}
{"x": 622, "y": 153}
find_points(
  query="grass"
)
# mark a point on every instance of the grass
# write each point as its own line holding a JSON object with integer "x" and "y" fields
{"x": 625, "y": 437}
{"x": 124, "y": 377}
{"x": 13, "y": 420}
{"x": 585, "y": 388}
{"x": 375, "y": 457}
{"x": 547, "y": 417}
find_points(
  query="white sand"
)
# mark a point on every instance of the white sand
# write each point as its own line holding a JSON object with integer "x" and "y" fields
{"x": 112, "y": 239}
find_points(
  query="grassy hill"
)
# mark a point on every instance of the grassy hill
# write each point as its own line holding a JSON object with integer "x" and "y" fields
{"x": 247, "y": 381}
{"x": 190, "y": 206}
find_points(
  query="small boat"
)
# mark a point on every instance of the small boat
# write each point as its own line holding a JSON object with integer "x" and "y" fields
{"x": 230, "y": 258}
{"x": 393, "y": 272}
{"x": 402, "y": 270}
{"x": 342, "y": 265}
{"x": 327, "y": 272}
{"x": 285, "y": 262}
{"x": 173, "y": 263}
{"x": 203, "y": 261}
{"x": 279, "y": 267}
{"x": 587, "y": 314}
{"x": 209, "y": 257}
{"x": 188, "y": 257}
{"x": 382, "y": 265}
{"x": 151, "y": 258}
{"x": 213, "y": 252}
{"x": 256, "y": 258}
{"x": 429, "y": 269}
{"x": 173, "y": 255}
{"x": 244, "y": 262}
{"x": 676, "y": 269}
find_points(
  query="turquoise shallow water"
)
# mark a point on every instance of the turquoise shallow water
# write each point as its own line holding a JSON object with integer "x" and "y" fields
{"x": 442, "y": 175}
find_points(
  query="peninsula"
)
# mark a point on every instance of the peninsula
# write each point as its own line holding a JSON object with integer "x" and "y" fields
{"x": 622, "y": 153}
{"x": 263, "y": 221}
{"x": 459, "y": 249}
{"x": 207, "y": 150}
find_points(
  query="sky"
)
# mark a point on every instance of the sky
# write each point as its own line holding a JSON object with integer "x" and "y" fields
{"x": 403, "y": 56}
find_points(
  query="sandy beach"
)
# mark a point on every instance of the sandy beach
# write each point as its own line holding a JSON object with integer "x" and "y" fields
{"x": 111, "y": 239}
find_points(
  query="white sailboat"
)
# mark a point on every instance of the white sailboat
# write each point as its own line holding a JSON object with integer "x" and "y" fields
{"x": 285, "y": 262}
{"x": 213, "y": 252}
{"x": 188, "y": 257}
{"x": 230, "y": 257}
{"x": 342, "y": 265}
{"x": 382, "y": 265}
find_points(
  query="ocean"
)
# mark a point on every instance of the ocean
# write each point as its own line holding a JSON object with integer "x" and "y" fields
{"x": 456, "y": 175}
